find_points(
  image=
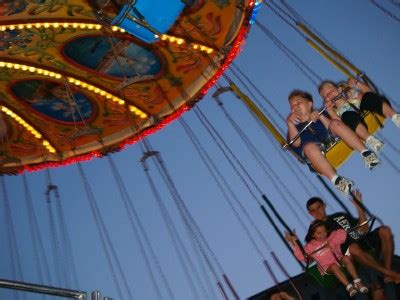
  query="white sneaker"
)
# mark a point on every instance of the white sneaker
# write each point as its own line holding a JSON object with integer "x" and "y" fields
{"x": 373, "y": 144}
{"x": 344, "y": 185}
{"x": 370, "y": 159}
{"x": 396, "y": 119}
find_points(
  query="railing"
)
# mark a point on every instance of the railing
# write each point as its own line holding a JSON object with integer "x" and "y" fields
{"x": 48, "y": 290}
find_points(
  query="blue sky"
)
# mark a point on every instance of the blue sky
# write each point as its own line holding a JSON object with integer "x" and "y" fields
{"x": 369, "y": 38}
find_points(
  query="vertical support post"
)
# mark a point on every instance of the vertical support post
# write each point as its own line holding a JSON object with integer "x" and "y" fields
{"x": 96, "y": 295}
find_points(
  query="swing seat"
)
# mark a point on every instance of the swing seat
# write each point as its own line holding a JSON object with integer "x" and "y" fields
{"x": 327, "y": 280}
{"x": 159, "y": 14}
{"x": 338, "y": 153}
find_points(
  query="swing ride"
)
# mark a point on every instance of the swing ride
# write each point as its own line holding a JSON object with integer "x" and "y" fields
{"x": 84, "y": 79}
{"x": 80, "y": 85}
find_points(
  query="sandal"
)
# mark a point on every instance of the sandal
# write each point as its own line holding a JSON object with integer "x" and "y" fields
{"x": 360, "y": 286}
{"x": 351, "y": 290}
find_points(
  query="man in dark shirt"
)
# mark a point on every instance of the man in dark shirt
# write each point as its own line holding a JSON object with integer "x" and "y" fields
{"x": 359, "y": 241}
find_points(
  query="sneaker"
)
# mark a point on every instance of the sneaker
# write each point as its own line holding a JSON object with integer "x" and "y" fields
{"x": 370, "y": 159}
{"x": 360, "y": 286}
{"x": 396, "y": 119}
{"x": 344, "y": 185}
{"x": 373, "y": 144}
{"x": 351, "y": 290}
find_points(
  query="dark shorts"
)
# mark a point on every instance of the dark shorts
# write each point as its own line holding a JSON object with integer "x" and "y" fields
{"x": 352, "y": 119}
{"x": 370, "y": 243}
{"x": 373, "y": 102}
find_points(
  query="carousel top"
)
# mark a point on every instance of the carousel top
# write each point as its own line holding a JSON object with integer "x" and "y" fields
{"x": 74, "y": 86}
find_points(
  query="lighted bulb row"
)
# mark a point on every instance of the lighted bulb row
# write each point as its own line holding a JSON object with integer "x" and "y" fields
{"x": 30, "y": 69}
{"x": 180, "y": 41}
{"x": 107, "y": 95}
{"x": 28, "y": 127}
{"x": 89, "y": 26}
{"x": 82, "y": 84}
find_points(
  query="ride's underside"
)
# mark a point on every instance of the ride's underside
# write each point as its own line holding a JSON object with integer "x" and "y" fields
{"x": 72, "y": 87}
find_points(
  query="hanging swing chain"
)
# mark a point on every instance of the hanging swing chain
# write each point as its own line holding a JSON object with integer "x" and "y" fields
{"x": 104, "y": 236}
{"x": 215, "y": 174}
{"x": 386, "y": 11}
{"x": 265, "y": 166}
{"x": 16, "y": 268}
{"x": 214, "y": 136}
{"x": 139, "y": 232}
{"x": 187, "y": 218}
{"x": 191, "y": 227}
{"x": 261, "y": 94}
{"x": 180, "y": 249}
{"x": 35, "y": 234}
{"x": 70, "y": 267}
{"x": 221, "y": 183}
{"x": 291, "y": 55}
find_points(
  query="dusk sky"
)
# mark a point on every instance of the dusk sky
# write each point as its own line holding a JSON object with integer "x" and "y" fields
{"x": 358, "y": 29}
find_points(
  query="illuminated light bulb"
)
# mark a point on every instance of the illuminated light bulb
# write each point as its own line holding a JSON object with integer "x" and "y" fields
{"x": 114, "y": 28}
{"x": 2, "y": 64}
{"x": 45, "y": 143}
{"x": 82, "y": 26}
{"x": 102, "y": 93}
{"x": 180, "y": 41}
{"x": 90, "y": 26}
{"x": 90, "y": 87}
{"x": 46, "y": 73}
{"x": 210, "y": 50}
{"x": 3, "y": 28}
{"x": 195, "y": 46}
{"x": 71, "y": 80}
{"x": 75, "y": 25}
{"x": 31, "y": 69}
{"x": 52, "y": 150}
{"x": 29, "y": 26}
{"x": 143, "y": 115}
{"x": 4, "y": 109}
{"x": 77, "y": 82}
{"x": 65, "y": 25}
{"x": 84, "y": 85}
{"x": 156, "y": 36}
{"x": 38, "y": 25}
{"x": 132, "y": 108}
{"x": 52, "y": 74}
{"x": 164, "y": 37}
{"x": 116, "y": 99}
{"x": 56, "y": 25}
{"x": 96, "y": 90}
{"x": 121, "y": 102}
{"x": 39, "y": 71}
{"x": 9, "y": 65}
{"x": 122, "y": 30}
{"x": 16, "y": 66}
{"x": 46, "y": 25}
{"x": 38, "y": 135}
{"x": 202, "y": 48}
{"x": 172, "y": 39}
{"x": 108, "y": 96}
{"x": 12, "y": 27}
{"x": 21, "y": 26}
{"x": 98, "y": 26}
{"x": 58, "y": 76}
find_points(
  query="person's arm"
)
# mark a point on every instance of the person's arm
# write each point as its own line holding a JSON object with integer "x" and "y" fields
{"x": 324, "y": 119}
{"x": 337, "y": 237}
{"x": 359, "y": 85}
{"x": 292, "y": 120}
{"x": 362, "y": 217}
{"x": 291, "y": 238}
